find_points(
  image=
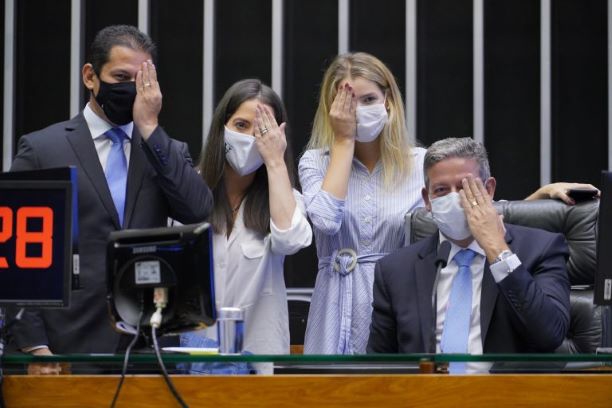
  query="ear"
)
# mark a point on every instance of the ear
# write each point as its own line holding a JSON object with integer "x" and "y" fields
{"x": 490, "y": 185}
{"x": 89, "y": 77}
{"x": 425, "y": 196}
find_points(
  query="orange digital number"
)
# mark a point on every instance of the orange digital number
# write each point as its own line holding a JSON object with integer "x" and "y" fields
{"x": 44, "y": 237}
{"x": 6, "y": 214}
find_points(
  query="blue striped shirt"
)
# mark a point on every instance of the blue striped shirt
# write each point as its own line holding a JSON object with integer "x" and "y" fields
{"x": 370, "y": 222}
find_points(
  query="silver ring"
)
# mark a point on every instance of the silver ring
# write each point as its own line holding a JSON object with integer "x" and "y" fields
{"x": 474, "y": 203}
{"x": 147, "y": 84}
{"x": 263, "y": 131}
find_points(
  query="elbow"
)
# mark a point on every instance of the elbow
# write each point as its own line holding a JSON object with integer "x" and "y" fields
{"x": 325, "y": 226}
{"x": 551, "y": 339}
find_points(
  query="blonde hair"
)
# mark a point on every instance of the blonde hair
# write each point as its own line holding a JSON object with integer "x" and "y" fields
{"x": 395, "y": 144}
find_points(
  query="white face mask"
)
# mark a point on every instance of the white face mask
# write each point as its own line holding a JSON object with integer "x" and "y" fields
{"x": 241, "y": 152}
{"x": 449, "y": 216}
{"x": 371, "y": 119}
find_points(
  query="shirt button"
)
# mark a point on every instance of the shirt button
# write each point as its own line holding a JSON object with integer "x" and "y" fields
{"x": 365, "y": 242}
{"x": 367, "y": 197}
{"x": 367, "y": 219}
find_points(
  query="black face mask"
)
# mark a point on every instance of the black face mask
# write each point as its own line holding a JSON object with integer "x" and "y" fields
{"x": 117, "y": 101}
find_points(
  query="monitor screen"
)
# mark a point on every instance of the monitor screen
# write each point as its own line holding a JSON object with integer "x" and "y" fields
{"x": 176, "y": 258}
{"x": 603, "y": 277}
{"x": 35, "y": 241}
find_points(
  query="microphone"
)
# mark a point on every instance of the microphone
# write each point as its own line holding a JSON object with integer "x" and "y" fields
{"x": 440, "y": 262}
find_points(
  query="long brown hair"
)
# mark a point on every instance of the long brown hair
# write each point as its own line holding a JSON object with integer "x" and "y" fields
{"x": 212, "y": 160}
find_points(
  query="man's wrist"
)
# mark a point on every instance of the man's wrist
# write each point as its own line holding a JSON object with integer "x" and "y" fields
{"x": 502, "y": 256}
{"x": 37, "y": 350}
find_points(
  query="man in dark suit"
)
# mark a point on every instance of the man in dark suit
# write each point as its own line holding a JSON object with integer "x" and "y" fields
{"x": 161, "y": 182}
{"x": 516, "y": 278}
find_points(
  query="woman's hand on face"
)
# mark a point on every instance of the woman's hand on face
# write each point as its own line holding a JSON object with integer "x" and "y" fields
{"x": 342, "y": 114}
{"x": 270, "y": 138}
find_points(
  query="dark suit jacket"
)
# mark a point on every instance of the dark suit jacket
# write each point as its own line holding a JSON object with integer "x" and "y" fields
{"x": 528, "y": 311}
{"x": 161, "y": 183}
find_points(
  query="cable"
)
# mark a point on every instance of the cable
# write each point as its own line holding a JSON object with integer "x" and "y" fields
{"x": 164, "y": 372}
{"x": 160, "y": 299}
{"x": 127, "y": 356}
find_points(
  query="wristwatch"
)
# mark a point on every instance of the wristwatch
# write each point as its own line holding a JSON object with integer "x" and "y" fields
{"x": 503, "y": 255}
{"x": 506, "y": 261}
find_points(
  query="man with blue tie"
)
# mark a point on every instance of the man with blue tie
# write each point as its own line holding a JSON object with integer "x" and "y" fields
{"x": 131, "y": 174}
{"x": 504, "y": 288}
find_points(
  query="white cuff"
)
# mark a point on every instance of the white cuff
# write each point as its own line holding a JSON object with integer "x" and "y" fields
{"x": 503, "y": 268}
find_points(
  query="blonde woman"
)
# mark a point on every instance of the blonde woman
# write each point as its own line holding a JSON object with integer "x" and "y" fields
{"x": 359, "y": 176}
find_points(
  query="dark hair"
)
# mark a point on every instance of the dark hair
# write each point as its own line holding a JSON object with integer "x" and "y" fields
{"x": 464, "y": 147}
{"x": 123, "y": 35}
{"x": 212, "y": 160}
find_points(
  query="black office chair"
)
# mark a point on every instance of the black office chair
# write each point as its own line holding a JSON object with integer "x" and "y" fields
{"x": 579, "y": 225}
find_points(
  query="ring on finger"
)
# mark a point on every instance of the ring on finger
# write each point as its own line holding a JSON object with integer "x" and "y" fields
{"x": 147, "y": 84}
{"x": 474, "y": 203}
{"x": 263, "y": 131}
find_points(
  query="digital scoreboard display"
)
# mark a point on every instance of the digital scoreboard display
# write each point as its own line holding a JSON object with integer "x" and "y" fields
{"x": 35, "y": 242}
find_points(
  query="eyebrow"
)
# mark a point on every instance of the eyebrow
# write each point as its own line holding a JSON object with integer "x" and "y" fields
{"x": 368, "y": 94}
{"x": 241, "y": 118}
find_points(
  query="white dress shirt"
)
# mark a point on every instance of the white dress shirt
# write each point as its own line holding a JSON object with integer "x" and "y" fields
{"x": 97, "y": 127}
{"x": 444, "y": 288}
{"x": 445, "y": 282}
{"x": 249, "y": 275}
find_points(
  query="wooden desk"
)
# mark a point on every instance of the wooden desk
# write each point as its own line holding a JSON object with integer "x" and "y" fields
{"x": 499, "y": 391}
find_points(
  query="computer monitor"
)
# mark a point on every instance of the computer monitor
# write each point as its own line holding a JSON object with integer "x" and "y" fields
{"x": 603, "y": 276}
{"x": 177, "y": 258}
{"x": 36, "y": 236}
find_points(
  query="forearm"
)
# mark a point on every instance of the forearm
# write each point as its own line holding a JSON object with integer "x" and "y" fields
{"x": 336, "y": 178}
{"x": 541, "y": 307}
{"x": 189, "y": 197}
{"x": 282, "y": 201}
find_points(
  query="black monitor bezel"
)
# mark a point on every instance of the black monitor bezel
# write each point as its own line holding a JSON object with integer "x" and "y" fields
{"x": 145, "y": 238}
{"x": 42, "y": 185}
{"x": 603, "y": 273}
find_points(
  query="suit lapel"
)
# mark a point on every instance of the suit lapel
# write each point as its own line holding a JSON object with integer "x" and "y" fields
{"x": 136, "y": 173}
{"x": 488, "y": 297}
{"x": 425, "y": 275}
{"x": 81, "y": 141}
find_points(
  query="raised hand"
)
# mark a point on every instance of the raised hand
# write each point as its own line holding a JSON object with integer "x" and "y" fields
{"x": 486, "y": 225}
{"x": 148, "y": 101}
{"x": 342, "y": 113}
{"x": 270, "y": 138}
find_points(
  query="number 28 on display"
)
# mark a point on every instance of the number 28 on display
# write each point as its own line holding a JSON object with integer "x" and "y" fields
{"x": 23, "y": 237}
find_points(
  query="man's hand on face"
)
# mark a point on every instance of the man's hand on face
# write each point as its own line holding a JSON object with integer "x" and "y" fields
{"x": 486, "y": 225}
{"x": 148, "y": 101}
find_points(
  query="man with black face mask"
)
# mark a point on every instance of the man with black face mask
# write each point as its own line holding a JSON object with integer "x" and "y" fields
{"x": 130, "y": 175}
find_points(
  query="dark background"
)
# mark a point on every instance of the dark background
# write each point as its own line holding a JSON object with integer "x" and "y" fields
{"x": 444, "y": 72}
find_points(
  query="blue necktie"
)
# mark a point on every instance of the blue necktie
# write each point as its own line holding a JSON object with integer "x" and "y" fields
{"x": 116, "y": 170}
{"x": 458, "y": 312}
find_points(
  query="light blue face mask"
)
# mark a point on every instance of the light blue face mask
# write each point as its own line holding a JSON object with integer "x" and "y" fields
{"x": 449, "y": 216}
{"x": 241, "y": 152}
